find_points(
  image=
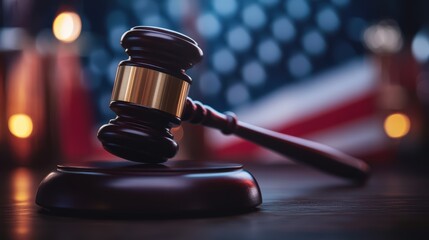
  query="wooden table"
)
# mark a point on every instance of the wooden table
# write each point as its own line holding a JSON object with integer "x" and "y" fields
{"x": 298, "y": 203}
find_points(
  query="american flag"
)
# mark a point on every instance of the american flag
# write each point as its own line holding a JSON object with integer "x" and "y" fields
{"x": 294, "y": 66}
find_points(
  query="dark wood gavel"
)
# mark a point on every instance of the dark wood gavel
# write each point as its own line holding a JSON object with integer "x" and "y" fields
{"x": 150, "y": 97}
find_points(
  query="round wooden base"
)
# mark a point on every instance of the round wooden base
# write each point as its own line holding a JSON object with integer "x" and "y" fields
{"x": 125, "y": 188}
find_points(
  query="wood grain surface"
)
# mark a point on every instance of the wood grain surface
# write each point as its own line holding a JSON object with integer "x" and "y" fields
{"x": 298, "y": 203}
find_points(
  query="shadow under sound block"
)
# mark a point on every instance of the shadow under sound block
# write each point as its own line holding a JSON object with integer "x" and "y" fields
{"x": 173, "y": 188}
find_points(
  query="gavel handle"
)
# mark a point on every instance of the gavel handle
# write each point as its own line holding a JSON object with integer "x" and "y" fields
{"x": 311, "y": 153}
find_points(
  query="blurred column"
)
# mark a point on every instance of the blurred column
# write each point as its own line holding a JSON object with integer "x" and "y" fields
{"x": 2, "y": 110}
{"x": 22, "y": 85}
{"x": 26, "y": 109}
{"x": 398, "y": 73}
{"x": 73, "y": 104}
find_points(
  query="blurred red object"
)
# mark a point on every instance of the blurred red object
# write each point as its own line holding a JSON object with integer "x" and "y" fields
{"x": 73, "y": 106}
{"x": 25, "y": 106}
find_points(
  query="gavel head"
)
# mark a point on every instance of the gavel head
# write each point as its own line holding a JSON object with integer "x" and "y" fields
{"x": 149, "y": 94}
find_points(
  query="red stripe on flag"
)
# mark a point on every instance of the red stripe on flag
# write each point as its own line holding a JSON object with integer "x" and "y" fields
{"x": 329, "y": 119}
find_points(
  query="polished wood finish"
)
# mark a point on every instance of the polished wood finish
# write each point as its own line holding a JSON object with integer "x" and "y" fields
{"x": 125, "y": 188}
{"x": 139, "y": 133}
{"x": 311, "y": 153}
{"x": 162, "y": 50}
{"x": 143, "y": 135}
{"x": 299, "y": 203}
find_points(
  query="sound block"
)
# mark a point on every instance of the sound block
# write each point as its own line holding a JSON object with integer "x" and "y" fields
{"x": 125, "y": 188}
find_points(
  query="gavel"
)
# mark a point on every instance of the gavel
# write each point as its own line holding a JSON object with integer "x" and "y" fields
{"x": 150, "y": 96}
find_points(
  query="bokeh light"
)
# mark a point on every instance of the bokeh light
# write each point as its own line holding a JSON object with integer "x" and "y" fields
{"x": 209, "y": 83}
{"x": 67, "y": 26}
{"x": 298, "y": 9}
{"x": 384, "y": 37}
{"x": 20, "y": 125}
{"x": 327, "y": 19}
{"x": 283, "y": 29}
{"x": 397, "y": 125}
{"x": 269, "y": 51}
{"x": 420, "y": 46}
{"x": 254, "y": 16}
{"x": 239, "y": 39}
{"x": 237, "y": 94}
{"x": 225, "y": 8}
{"x": 313, "y": 42}
{"x": 224, "y": 61}
{"x": 299, "y": 65}
{"x": 208, "y": 25}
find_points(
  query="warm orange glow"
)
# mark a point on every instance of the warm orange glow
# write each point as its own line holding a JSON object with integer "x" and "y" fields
{"x": 67, "y": 26}
{"x": 22, "y": 193}
{"x": 397, "y": 125}
{"x": 21, "y": 185}
{"x": 177, "y": 133}
{"x": 20, "y": 125}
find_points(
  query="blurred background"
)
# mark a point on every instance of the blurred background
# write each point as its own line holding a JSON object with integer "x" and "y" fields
{"x": 349, "y": 74}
